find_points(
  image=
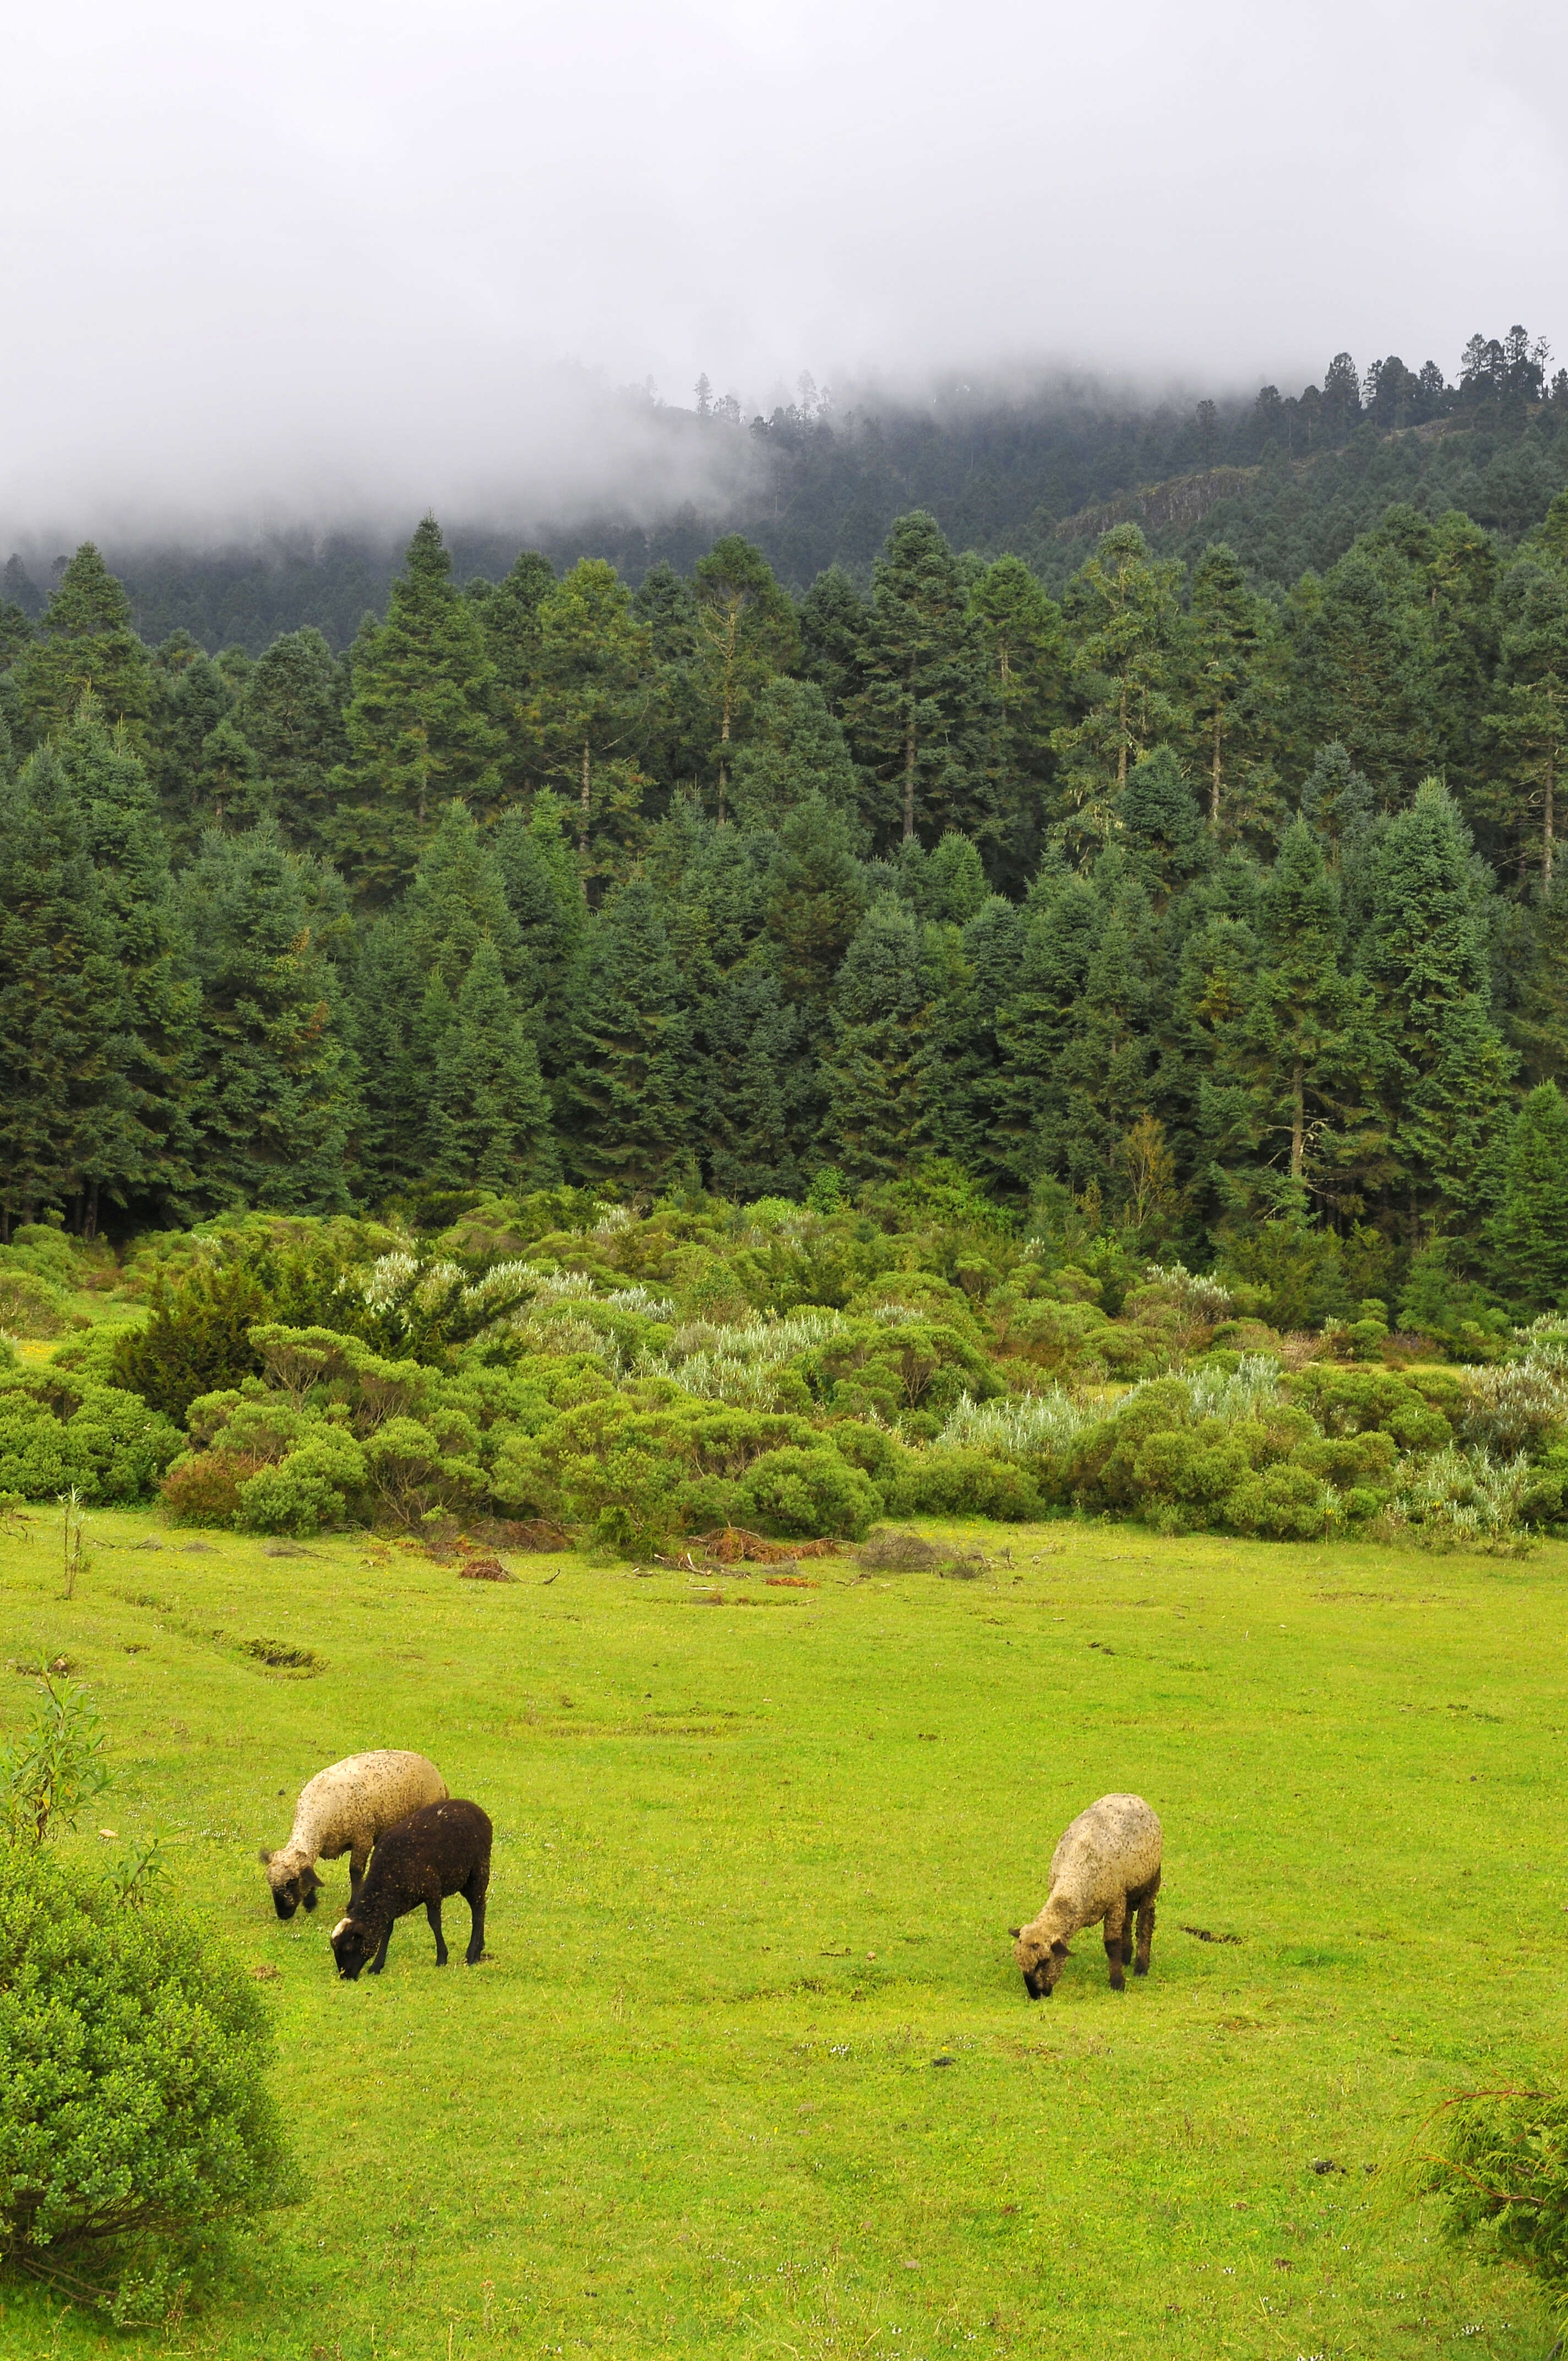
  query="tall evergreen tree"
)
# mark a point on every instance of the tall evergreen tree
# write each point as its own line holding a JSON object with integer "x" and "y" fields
{"x": 86, "y": 641}
{"x": 815, "y": 895}
{"x": 835, "y": 632}
{"x": 1226, "y": 687}
{"x": 487, "y": 1111}
{"x": 746, "y": 633}
{"x": 1300, "y": 1034}
{"x": 276, "y": 1095}
{"x": 457, "y": 901}
{"x": 1026, "y": 644}
{"x": 921, "y": 719}
{"x": 879, "y": 1081}
{"x": 1363, "y": 673}
{"x": 291, "y": 713}
{"x": 591, "y": 702}
{"x": 419, "y": 725}
{"x": 544, "y": 892}
{"x": 1123, "y": 616}
{"x": 1528, "y": 1235}
{"x": 795, "y": 749}
{"x": 1444, "y": 1069}
{"x": 627, "y": 1096}
{"x": 1529, "y": 720}
{"x": 146, "y": 1143}
{"x": 62, "y": 1005}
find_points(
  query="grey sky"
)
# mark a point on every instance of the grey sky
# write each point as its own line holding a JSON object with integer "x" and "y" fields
{"x": 323, "y": 258}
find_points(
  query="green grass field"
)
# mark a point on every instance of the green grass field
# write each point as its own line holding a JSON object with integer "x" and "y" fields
{"x": 750, "y": 2068}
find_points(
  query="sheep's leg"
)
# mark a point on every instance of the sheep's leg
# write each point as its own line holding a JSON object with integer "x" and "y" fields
{"x": 473, "y": 1896}
{"x": 379, "y": 1962}
{"x": 1115, "y": 1921}
{"x": 432, "y": 1912}
{"x": 1145, "y": 1925}
{"x": 357, "y": 1858}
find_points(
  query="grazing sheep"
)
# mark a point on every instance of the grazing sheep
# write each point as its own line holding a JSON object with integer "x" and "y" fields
{"x": 1106, "y": 1867}
{"x": 443, "y": 1849}
{"x": 343, "y": 1810}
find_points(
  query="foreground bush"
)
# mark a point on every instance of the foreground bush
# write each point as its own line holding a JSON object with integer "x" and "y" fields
{"x": 134, "y": 2109}
{"x": 1501, "y": 2169}
{"x": 57, "y": 1430}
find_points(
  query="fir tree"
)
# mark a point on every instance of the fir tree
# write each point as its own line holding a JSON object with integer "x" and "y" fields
{"x": 1162, "y": 826}
{"x": 881, "y": 1095}
{"x": 419, "y": 724}
{"x": 86, "y": 641}
{"x": 795, "y": 749}
{"x": 291, "y": 713}
{"x": 1122, "y": 611}
{"x": 457, "y": 901}
{"x": 746, "y": 633}
{"x": 1528, "y": 1235}
{"x": 921, "y": 717}
{"x": 229, "y": 791}
{"x": 590, "y": 706}
{"x": 487, "y": 1116}
{"x": 1364, "y": 674}
{"x": 192, "y": 699}
{"x": 974, "y": 1101}
{"x": 276, "y": 1092}
{"x": 62, "y": 1003}
{"x": 545, "y": 896}
{"x": 627, "y": 1096}
{"x": 391, "y": 1053}
{"x": 1529, "y": 720}
{"x": 1226, "y": 634}
{"x": 754, "y": 1085}
{"x": 1424, "y": 957}
{"x": 1025, "y": 644}
{"x": 815, "y": 898}
{"x": 146, "y": 1151}
{"x": 835, "y": 632}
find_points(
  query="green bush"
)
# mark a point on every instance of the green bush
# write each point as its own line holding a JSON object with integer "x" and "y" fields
{"x": 1500, "y": 2167}
{"x": 1281, "y": 1504}
{"x": 57, "y": 1430}
{"x": 950, "y": 1481}
{"x": 30, "y": 1306}
{"x": 133, "y": 2059}
{"x": 309, "y": 1490}
{"x": 809, "y": 1492}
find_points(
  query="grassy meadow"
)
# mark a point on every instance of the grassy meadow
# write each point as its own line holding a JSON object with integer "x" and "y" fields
{"x": 750, "y": 2067}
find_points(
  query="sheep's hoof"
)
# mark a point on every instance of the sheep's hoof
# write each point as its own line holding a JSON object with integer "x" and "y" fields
{"x": 1140, "y": 1967}
{"x": 1118, "y": 1981}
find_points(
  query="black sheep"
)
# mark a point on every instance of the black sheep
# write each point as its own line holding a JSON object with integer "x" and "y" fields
{"x": 442, "y": 1848}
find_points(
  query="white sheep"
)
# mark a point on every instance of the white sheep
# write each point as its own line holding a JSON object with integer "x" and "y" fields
{"x": 342, "y": 1810}
{"x": 1106, "y": 1867}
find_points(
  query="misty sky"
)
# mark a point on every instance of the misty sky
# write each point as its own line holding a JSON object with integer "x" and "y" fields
{"x": 338, "y": 259}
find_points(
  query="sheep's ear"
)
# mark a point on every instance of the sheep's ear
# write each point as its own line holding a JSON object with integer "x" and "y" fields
{"x": 1059, "y": 1948}
{"x": 310, "y": 1881}
{"x": 337, "y": 1930}
{"x": 1015, "y": 1932}
{"x": 264, "y": 1857}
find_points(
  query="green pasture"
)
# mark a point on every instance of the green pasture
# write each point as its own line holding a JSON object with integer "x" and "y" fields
{"x": 750, "y": 2069}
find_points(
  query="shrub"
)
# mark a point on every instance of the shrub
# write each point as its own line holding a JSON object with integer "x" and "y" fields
{"x": 196, "y": 1338}
{"x": 57, "y": 1430}
{"x": 1461, "y": 1499}
{"x": 51, "y": 1773}
{"x": 30, "y": 1306}
{"x": 1501, "y": 2170}
{"x": 1281, "y": 1504}
{"x": 1517, "y": 1405}
{"x": 810, "y": 1490}
{"x": 137, "y": 2116}
{"x": 307, "y": 1490}
{"x": 944, "y": 1482}
{"x": 203, "y": 1487}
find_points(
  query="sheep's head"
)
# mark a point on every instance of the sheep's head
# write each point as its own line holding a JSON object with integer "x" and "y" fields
{"x": 351, "y": 1945}
{"x": 291, "y": 1885}
{"x": 1040, "y": 1957}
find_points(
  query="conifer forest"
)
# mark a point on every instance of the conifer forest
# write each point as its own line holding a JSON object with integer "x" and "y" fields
{"x": 1178, "y": 963}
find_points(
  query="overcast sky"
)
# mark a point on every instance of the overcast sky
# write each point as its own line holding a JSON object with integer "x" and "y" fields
{"x": 315, "y": 258}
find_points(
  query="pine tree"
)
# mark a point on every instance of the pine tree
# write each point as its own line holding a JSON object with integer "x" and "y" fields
{"x": 86, "y": 641}
{"x": 627, "y": 1096}
{"x": 922, "y": 719}
{"x": 754, "y": 1085}
{"x": 1061, "y": 925}
{"x": 191, "y": 699}
{"x": 1225, "y": 639}
{"x": 419, "y": 725}
{"x": 1363, "y": 667}
{"x": 1537, "y": 1022}
{"x": 1025, "y": 644}
{"x": 487, "y": 1118}
{"x": 1529, "y": 720}
{"x": 62, "y": 1003}
{"x": 1528, "y": 1235}
{"x": 1445, "y": 1070}
{"x": 835, "y": 634}
{"x": 392, "y": 1055}
{"x": 967, "y": 1043}
{"x": 276, "y": 1092}
{"x": 595, "y": 684}
{"x": 457, "y": 901}
{"x": 1161, "y": 825}
{"x": 145, "y": 1152}
{"x": 291, "y": 713}
{"x": 1123, "y": 617}
{"x": 816, "y": 896}
{"x": 795, "y": 749}
{"x": 883, "y": 1099}
{"x": 229, "y": 791}
{"x": 545, "y": 896}
{"x": 746, "y": 633}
